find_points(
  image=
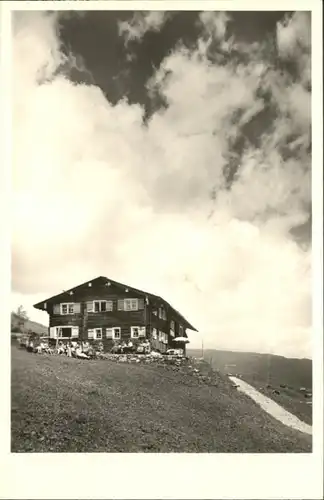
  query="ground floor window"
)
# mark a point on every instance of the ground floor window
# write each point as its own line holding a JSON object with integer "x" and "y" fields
{"x": 98, "y": 333}
{"x": 95, "y": 333}
{"x": 137, "y": 331}
{"x": 163, "y": 337}
{"x": 113, "y": 333}
{"x": 64, "y": 332}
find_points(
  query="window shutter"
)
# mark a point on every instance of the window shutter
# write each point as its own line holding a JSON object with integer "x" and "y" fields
{"x": 109, "y": 305}
{"x": 75, "y": 331}
{"x": 141, "y": 331}
{"x": 90, "y": 334}
{"x": 109, "y": 333}
{"x": 77, "y": 307}
{"x": 90, "y": 306}
{"x": 53, "y": 332}
{"x": 56, "y": 309}
{"x": 121, "y": 305}
{"x": 141, "y": 303}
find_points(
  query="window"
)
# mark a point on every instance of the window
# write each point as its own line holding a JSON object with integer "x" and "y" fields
{"x": 163, "y": 337}
{"x": 172, "y": 328}
{"x": 131, "y": 304}
{"x": 134, "y": 332}
{"x": 113, "y": 333}
{"x": 64, "y": 332}
{"x": 154, "y": 333}
{"x": 162, "y": 313}
{"x": 67, "y": 308}
{"x": 98, "y": 333}
{"x": 154, "y": 312}
{"x": 180, "y": 331}
{"x": 95, "y": 333}
{"x": 102, "y": 305}
{"x": 137, "y": 331}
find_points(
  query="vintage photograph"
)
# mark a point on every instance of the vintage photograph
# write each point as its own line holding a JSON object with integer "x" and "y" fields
{"x": 161, "y": 296}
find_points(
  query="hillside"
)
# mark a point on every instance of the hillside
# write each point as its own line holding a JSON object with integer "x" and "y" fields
{"x": 263, "y": 367}
{"x": 29, "y": 325}
{"x": 61, "y": 404}
{"x": 277, "y": 377}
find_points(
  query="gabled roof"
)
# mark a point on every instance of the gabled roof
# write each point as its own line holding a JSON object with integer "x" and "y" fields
{"x": 102, "y": 279}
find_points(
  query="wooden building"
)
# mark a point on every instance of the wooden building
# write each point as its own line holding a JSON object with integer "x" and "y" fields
{"x": 105, "y": 310}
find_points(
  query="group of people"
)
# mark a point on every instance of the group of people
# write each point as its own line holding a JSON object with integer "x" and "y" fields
{"x": 84, "y": 350}
{"x": 71, "y": 349}
{"x": 125, "y": 348}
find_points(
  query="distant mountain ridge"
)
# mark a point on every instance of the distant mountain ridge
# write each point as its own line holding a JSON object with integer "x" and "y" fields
{"x": 265, "y": 368}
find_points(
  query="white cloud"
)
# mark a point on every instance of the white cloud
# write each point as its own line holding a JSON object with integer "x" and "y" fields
{"x": 98, "y": 193}
{"x": 141, "y": 23}
{"x": 215, "y": 23}
{"x": 294, "y": 42}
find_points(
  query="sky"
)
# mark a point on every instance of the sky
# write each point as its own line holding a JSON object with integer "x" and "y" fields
{"x": 170, "y": 151}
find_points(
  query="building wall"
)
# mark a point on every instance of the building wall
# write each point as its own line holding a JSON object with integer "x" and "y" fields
{"x": 86, "y": 319}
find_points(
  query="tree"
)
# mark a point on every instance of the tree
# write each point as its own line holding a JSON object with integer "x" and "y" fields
{"x": 22, "y": 315}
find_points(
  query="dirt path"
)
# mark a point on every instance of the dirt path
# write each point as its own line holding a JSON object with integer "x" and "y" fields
{"x": 271, "y": 407}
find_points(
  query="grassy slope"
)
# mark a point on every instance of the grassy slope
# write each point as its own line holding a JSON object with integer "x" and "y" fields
{"x": 29, "y": 325}
{"x": 67, "y": 405}
{"x": 261, "y": 369}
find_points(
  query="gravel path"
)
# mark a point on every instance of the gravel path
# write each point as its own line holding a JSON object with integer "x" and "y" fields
{"x": 271, "y": 407}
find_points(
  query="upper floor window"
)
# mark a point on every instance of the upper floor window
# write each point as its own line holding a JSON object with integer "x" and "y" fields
{"x": 102, "y": 305}
{"x": 67, "y": 308}
{"x": 128, "y": 305}
{"x": 162, "y": 313}
{"x": 172, "y": 328}
{"x": 180, "y": 331}
{"x": 131, "y": 304}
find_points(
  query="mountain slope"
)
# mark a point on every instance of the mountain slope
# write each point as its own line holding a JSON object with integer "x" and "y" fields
{"x": 67, "y": 405}
{"x": 29, "y": 325}
{"x": 264, "y": 367}
{"x": 277, "y": 377}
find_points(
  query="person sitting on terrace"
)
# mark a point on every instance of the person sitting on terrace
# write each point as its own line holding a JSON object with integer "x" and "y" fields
{"x": 69, "y": 350}
{"x": 60, "y": 348}
{"x": 140, "y": 348}
{"x": 147, "y": 347}
{"x": 130, "y": 346}
{"x": 115, "y": 349}
{"x": 80, "y": 354}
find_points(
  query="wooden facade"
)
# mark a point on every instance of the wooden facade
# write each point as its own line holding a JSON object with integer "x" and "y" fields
{"x": 105, "y": 310}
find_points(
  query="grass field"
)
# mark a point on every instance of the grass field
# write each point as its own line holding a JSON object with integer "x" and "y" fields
{"x": 67, "y": 405}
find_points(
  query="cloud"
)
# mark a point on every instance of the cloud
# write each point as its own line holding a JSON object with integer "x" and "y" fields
{"x": 294, "y": 42}
{"x": 97, "y": 191}
{"x": 141, "y": 23}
